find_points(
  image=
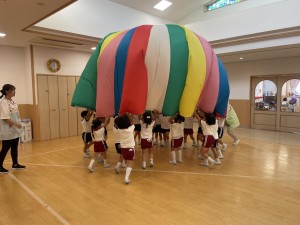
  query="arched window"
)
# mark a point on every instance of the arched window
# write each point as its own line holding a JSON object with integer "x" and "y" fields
{"x": 290, "y": 96}
{"x": 266, "y": 96}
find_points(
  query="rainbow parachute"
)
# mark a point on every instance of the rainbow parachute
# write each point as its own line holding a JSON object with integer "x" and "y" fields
{"x": 164, "y": 67}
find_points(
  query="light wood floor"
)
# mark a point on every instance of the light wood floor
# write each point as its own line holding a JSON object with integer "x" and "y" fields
{"x": 257, "y": 183}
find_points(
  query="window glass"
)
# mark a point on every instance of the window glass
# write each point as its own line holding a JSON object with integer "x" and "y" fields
{"x": 221, "y": 3}
{"x": 266, "y": 96}
{"x": 290, "y": 96}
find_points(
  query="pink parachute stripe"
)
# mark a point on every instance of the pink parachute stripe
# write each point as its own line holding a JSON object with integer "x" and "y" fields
{"x": 210, "y": 92}
{"x": 105, "y": 81}
{"x": 135, "y": 86}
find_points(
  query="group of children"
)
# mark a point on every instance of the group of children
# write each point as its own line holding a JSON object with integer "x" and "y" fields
{"x": 150, "y": 128}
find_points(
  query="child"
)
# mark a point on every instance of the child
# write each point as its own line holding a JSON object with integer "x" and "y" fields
{"x": 232, "y": 122}
{"x": 118, "y": 146}
{"x": 87, "y": 132}
{"x": 177, "y": 137}
{"x": 221, "y": 122}
{"x": 137, "y": 128}
{"x": 210, "y": 134}
{"x": 188, "y": 130}
{"x": 165, "y": 129}
{"x": 157, "y": 128}
{"x": 98, "y": 129}
{"x": 126, "y": 127}
{"x": 147, "y": 124}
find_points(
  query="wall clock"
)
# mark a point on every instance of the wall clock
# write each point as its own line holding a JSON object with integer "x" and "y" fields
{"x": 53, "y": 65}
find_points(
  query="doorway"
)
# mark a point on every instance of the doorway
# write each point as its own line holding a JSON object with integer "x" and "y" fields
{"x": 275, "y": 102}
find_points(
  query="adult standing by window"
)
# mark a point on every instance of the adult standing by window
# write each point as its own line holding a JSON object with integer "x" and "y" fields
{"x": 10, "y": 127}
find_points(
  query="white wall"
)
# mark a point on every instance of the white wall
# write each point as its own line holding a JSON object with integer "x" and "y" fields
{"x": 239, "y": 73}
{"x": 245, "y": 18}
{"x": 72, "y": 62}
{"x": 13, "y": 71}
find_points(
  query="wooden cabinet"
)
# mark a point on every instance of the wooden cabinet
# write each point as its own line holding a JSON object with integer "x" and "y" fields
{"x": 56, "y": 116}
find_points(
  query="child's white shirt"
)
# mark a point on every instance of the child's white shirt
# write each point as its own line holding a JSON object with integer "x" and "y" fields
{"x": 210, "y": 129}
{"x": 164, "y": 121}
{"x": 99, "y": 135}
{"x": 126, "y": 137}
{"x": 189, "y": 122}
{"x": 86, "y": 125}
{"x": 146, "y": 132}
{"x": 176, "y": 130}
{"x": 157, "y": 121}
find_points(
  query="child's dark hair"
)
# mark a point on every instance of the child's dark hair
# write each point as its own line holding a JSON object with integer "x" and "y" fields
{"x": 210, "y": 118}
{"x": 148, "y": 118}
{"x": 6, "y": 89}
{"x": 96, "y": 123}
{"x": 84, "y": 113}
{"x": 123, "y": 122}
{"x": 179, "y": 119}
{"x": 116, "y": 122}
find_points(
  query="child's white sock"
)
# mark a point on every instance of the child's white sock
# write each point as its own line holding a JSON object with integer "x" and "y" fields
{"x": 179, "y": 156}
{"x": 128, "y": 171}
{"x": 92, "y": 163}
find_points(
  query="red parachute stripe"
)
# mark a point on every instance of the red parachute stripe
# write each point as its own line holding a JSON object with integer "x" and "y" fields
{"x": 135, "y": 86}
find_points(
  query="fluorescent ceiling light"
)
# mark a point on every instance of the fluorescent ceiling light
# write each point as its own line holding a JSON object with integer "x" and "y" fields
{"x": 162, "y": 5}
{"x": 241, "y": 58}
{"x": 93, "y": 48}
{"x": 2, "y": 34}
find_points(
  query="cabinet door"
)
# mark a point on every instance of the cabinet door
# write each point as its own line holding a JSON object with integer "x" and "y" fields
{"x": 53, "y": 105}
{"x": 72, "y": 110}
{"x": 43, "y": 105}
{"x": 63, "y": 106}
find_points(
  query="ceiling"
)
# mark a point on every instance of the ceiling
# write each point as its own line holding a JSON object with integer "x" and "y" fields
{"x": 179, "y": 10}
{"x": 17, "y": 18}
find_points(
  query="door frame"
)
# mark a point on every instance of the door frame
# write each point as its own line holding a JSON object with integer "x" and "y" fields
{"x": 273, "y": 120}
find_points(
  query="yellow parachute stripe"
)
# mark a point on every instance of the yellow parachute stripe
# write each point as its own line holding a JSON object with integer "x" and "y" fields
{"x": 107, "y": 41}
{"x": 195, "y": 75}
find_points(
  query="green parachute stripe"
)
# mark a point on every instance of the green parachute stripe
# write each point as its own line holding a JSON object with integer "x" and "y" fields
{"x": 178, "y": 69}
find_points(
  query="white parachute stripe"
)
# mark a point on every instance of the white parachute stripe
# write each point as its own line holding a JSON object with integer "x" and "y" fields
{"x": 157, "y": 61}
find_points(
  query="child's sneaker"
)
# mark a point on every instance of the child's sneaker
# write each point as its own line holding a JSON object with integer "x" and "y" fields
{"x": 236, "y": 142}
{"x": 217, "y": 162}
{"x": 86, "y": 155}
{"x": 184, "y": 146}
{"x": 172, "y": 162}
{"x": 162, "y": 145}
{"x": 151, "y": 164}
{"x": 204, "y": 164}
{"x": 179, "y": 161}
{"x": 90, "y": 169}
{"x": 117, "y": 170}
{"x": 224, "y": 146}
{"x": 106, "y": 165}
{"x": 143, "y": 165}
{"x": 3, "y": 170}
{"x": 221, "y": 156}
{"x": 126, "y": 181}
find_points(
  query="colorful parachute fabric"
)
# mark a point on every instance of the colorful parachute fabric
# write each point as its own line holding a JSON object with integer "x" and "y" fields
{"x": 164, "y": 67}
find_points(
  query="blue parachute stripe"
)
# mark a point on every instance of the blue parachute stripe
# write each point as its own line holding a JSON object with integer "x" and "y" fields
{"x": 120, "y": 66}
